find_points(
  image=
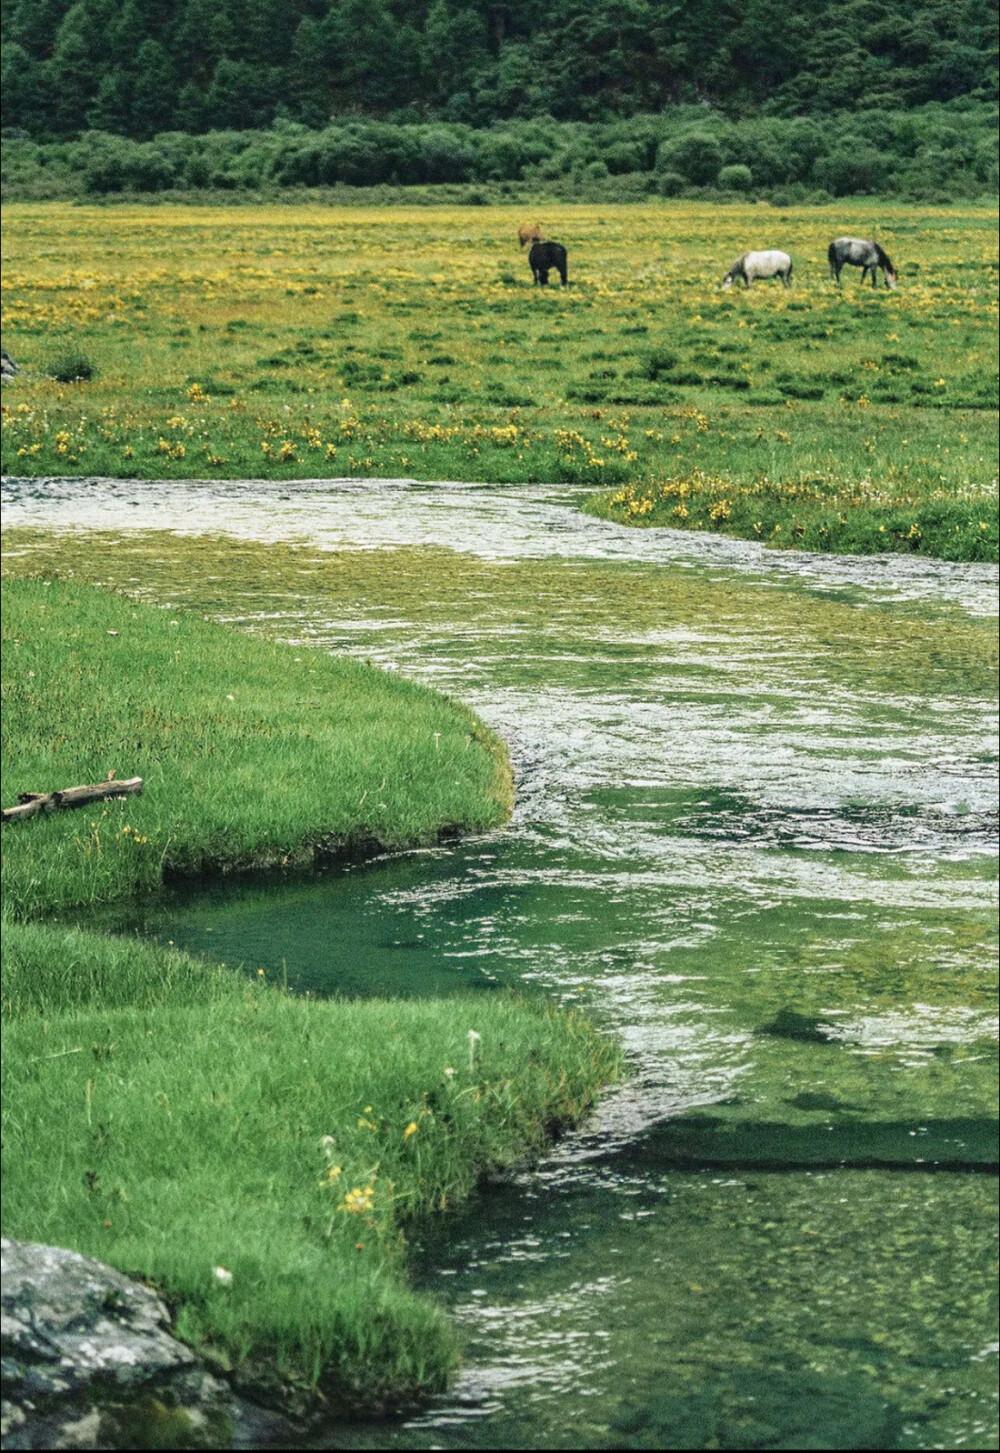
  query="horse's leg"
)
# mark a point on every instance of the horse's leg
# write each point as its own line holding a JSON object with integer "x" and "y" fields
{"x": 543, "y": 277}
{"x": 786, "y": 277}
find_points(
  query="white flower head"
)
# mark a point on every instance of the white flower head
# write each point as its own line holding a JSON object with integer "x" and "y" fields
{"x": 223, "y": 1276}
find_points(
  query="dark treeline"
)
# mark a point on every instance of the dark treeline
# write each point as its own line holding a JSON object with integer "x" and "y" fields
{"x": 935, "y": 152}
{"x": 138, "y": 68}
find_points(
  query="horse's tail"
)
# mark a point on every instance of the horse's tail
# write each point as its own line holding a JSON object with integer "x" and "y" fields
{"x": 831, "y": 255}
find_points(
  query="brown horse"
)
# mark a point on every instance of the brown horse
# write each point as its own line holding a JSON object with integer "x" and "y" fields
{"x": 530, "y": 232}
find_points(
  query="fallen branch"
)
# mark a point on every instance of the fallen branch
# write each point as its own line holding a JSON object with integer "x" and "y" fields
{"x": 32, "y": 803}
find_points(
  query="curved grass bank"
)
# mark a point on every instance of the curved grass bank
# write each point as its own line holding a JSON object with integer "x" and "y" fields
{"x": 254, "y": 1155}
{"x": 811, "y": 515}
{"x": 253, "y": 754}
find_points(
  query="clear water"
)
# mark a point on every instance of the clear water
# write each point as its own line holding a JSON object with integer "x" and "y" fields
{"x": 756, "y": 839}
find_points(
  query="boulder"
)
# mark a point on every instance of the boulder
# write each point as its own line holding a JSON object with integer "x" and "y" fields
{"x": 89, "y": 1362}
{"x": 8, "y": 367}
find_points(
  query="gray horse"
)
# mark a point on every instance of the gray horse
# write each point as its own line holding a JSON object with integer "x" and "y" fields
{"x": 860, "y": 252}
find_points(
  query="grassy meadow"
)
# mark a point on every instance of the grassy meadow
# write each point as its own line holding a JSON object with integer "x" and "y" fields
{"x": 255, "y": 1155}
{"x": 312, "y": 341}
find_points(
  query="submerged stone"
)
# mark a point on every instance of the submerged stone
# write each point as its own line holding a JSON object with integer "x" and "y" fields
{"x": 765, "y": 1410}
{"x": 789, "y": 1024}
{"x": 960, "y": 1143}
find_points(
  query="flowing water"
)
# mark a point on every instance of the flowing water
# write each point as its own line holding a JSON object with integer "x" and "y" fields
{"x": 756, "y": 839}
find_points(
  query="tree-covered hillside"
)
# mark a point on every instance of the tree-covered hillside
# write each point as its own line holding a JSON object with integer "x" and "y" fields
{"x": 143, "y": 67}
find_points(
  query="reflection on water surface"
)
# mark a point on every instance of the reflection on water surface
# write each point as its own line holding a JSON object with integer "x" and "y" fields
{"x": 756, "y": 839}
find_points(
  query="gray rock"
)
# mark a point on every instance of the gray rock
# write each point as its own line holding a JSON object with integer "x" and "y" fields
{"x": 8, "y": 367}
{"x": 88, "y": 1361}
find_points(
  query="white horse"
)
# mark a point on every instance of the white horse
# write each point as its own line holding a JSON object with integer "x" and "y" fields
{"x": 754, "y": 265}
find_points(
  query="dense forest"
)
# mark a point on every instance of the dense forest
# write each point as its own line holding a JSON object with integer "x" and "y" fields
{"x": 616, "y": 100}
{"x": 141, "y": 67}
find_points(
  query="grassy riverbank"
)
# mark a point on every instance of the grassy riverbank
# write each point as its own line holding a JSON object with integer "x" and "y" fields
{"x": 255, "y": 1155}
{"x": 253, "y": 754}
{"x": 816, "y": 515}
{"x": 324, "y": 341}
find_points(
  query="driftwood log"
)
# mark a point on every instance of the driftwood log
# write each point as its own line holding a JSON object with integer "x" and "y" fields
{"x": 32, "y": 803}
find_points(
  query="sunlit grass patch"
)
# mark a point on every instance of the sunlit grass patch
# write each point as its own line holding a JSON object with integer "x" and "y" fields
{"x": 321, "y": 342}
{"x": 811, "y": 514}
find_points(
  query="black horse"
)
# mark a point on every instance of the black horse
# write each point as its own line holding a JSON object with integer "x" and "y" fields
{"x": 859, "y": 252}
{"x": 545, "y": 256}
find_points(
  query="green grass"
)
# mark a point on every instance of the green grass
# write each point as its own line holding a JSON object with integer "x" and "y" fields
{"x": 812, "y": 515}
{"x": 253, "y": 754}
{"x": 302, "y": 342}
{"x": 171, "y": 1118}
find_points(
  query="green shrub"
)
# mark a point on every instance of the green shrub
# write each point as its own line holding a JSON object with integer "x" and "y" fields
{"x": 735, "y": 178}
{"x": 853, "y": 168}
{"x": 697, "y": 156}
{"x": 71, "y": 368}
{"x": 657, "y": 362}
{"x": 670, "y": 184}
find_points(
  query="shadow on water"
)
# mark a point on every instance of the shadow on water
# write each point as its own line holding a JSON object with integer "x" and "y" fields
{"x": 756, "y": 840}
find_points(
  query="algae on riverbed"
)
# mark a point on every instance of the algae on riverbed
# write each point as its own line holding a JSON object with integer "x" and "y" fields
{"x": 295, "y": 590}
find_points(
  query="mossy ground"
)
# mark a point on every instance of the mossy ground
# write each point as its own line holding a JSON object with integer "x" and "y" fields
{"x": 314, "y": 341}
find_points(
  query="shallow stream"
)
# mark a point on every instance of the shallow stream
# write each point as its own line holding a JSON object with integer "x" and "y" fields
{"x": 756, "y": 839}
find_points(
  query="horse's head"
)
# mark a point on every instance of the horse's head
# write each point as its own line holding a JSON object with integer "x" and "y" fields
{"x": 885, "y": 263}
{"x": 728, "y": 280}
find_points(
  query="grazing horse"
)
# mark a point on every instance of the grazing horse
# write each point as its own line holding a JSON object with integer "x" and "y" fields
{"x": 530, "y": 232}
{"x": 546, "y": 255}
{"x": 759, "y": 265}
{"x": 860, "y": 252}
